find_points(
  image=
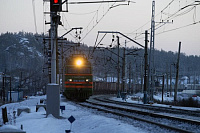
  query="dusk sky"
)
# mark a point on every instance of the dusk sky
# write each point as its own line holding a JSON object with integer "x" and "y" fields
{"x": 131, "y": 20}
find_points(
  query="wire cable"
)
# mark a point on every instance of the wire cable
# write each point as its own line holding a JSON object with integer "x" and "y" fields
{"x": 162, "y": 12}
{"x": 97, "y": 22}
{"x": 83, "y": 13}
{"x": 33, "y": 4}
{"x": 179, "y": 27}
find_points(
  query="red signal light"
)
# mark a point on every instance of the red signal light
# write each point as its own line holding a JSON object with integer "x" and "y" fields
{"x": 55, "y": 5}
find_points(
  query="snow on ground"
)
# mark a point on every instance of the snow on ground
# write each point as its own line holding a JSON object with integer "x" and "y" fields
{"x": 134, "y": 99}
{"x": 86, "y": 121}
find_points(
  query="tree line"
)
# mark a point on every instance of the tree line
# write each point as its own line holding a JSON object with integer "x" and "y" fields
{"x": 23, "y": 57}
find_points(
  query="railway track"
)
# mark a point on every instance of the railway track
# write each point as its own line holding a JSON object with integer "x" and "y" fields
{"x": 190, "y": 114}
{"x": 150, "y": 115}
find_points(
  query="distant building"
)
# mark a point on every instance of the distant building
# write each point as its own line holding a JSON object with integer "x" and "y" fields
{"x": 184, "y": 80}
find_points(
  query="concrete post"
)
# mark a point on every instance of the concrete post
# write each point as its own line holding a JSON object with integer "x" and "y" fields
{"x": 53, "y": 100}
{"x": 146, "y": 67}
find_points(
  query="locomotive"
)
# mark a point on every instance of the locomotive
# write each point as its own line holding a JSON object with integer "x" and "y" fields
{"x": 78, "y": 78}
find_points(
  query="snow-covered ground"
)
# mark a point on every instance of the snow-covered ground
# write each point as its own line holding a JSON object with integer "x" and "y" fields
{"x": 159, "y": 97}
{"x": 86, "y": 121}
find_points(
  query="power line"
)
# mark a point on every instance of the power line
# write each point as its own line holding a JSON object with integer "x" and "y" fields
{"x": 83, "y": 13}
{"x": 149, "y": 20}
{"x": 97, "y": 21}
{"x": 96, "y": 2}
{"x": 174, "y": 14}
{"x": 179, "y": 27}
{"x": 169, "y": 17}
{"x": 167, "y": 5}
{"x": 93, "y": 18}
{"x": 172, "y": 29}
{"x": 33, "y": 4}
{"x": 104, "y": 14}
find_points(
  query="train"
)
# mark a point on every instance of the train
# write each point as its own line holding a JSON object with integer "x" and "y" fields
{"x": 78, "y": 78}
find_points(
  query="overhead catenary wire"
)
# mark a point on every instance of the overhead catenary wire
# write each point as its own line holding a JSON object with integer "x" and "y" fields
{"x": 69, "y": 26}
{"x": 46, "y": 7}
{"x": 135, "y": 31}
{"x": 174, "y": 15}
{"x": 170, "y": 17}
{"x": 86, "y": 13}
{"x": 96, "y": 2}
{"x": 44, "y": 18}
{"x": 34, "y": 15}
{"x": 194, "y": 23}
{"x": 97, "y": 22}
{"x": 179, "y": 27}
{"x": 167, "y": 5}
{"x": 104, "y": 14}
{"x": 96, "y": 45}
{"x": 96, "y": 15}
{"x": 162, "y": 12}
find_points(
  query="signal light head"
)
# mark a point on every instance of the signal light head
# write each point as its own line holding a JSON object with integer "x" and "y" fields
{"x": 55, "y": 5}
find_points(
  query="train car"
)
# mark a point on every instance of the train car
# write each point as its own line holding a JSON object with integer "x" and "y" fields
{"x": 78, "y": 78}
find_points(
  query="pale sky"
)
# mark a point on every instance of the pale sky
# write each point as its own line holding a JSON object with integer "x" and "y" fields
{"x": 17, "y": 15}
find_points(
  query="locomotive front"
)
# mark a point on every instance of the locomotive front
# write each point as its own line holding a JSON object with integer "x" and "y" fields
{"x": 78, "y": 78}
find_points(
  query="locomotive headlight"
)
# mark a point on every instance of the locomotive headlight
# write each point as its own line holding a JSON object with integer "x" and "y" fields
{"x": 79, "y": 62}
{"x": 70, "y": 80}
{"x": 87, "y": 80}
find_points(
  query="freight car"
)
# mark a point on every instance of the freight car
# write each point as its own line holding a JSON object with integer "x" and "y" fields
{"x": 78, "y": 78}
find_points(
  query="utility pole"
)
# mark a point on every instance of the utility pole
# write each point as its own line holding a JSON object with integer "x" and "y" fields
{"x": 3, "y": 88}
{"x": 53, "y": 48}
{"x": 167, "y": 79}
{"x": 10, "y": 90}
{"x": 112, "y": 32}
{"x": 53, "y": 90}
{"x": 49, "y": 58}
{"x": 145, "y": 67}
{"x": 62, "y": 67}
{"x": 170, "y": 80}
{"x": 163, "y": 85}
{"x": 118, "y": 69}
{"x": 123, "y": 72}
{"x": 129, "y": 85}
{"x": 141, "y": 73}
{"x": 20, "y": 84}
{"x": 177, "y": 72}
{"x": 152, "y": 71}
{"x": 151, "y": 54}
